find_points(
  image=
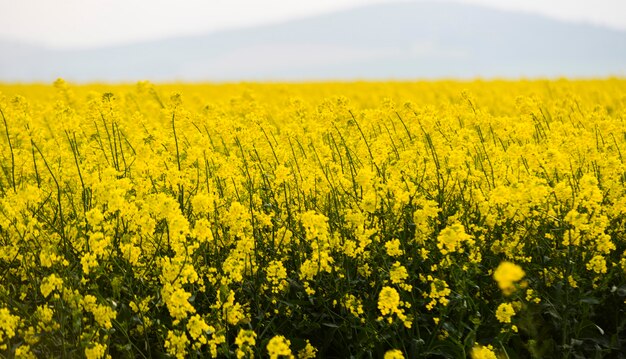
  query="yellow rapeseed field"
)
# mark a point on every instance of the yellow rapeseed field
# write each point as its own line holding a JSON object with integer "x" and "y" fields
{"x": 398, "y": 220}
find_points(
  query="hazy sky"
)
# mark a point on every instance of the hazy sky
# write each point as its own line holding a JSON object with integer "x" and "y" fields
{"x": 92, "y": 23}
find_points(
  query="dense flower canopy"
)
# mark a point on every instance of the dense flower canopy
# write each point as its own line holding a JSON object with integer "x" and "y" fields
{"x": 449, "y": 219}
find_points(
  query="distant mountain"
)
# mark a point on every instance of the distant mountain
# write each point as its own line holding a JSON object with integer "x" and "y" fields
{"x": 391, "y": 41}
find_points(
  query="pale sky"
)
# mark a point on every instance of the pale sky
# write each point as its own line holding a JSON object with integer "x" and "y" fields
{"x": 94, "y": 23}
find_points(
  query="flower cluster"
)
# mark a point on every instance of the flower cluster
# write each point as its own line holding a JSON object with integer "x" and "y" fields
{"x": 481, "y": 218}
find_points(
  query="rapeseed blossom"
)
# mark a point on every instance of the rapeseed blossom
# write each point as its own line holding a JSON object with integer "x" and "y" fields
{"x": 507, "y": 275}
{"x": 96, "y": 351}
{"x": 284, "y": 220}
{"x": 176, "y": 344}
{"x": 394, "y": 354}
{"x": 483, "y": 352}
{"x": 9, "y": 326}
{"x": 245, "y": 341}
{"x": 308, "y": 352}
{"x": 50, "y": 284}
{"x": 451, "y": 239}
{"x": 504, "y": 312}
{"x": 278, "y": 347}
{"x": 389, "y": 303}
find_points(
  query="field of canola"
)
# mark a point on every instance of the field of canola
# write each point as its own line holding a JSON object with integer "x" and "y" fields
{"x": 332, "y": 220}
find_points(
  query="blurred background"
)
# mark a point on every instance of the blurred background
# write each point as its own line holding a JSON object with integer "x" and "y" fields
{"x": 283, "y": 40}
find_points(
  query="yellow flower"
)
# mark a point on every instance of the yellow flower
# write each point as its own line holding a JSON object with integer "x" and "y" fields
{"x": 439, "y": 291}
{"x": 278, "y": 347}
{"x": 277, "y": 275}
{"x": 245, "y": 341}
{"x": 572, "y": 282}
{"x": 531, "y": 296}
{"x": 8, "y": 326}
{"x": 88, "y": 262}
{"x": 389, "y": 303}
{"x": 51, "y": 283}
{"x": 388, "y": 300}
{"x": 46, "y": 321}
{"x": 24, "y": 352}
{"x": 398, "y": 274}
{"x": 233, "y": 312}
{"x": 281, "y": 174}
{"x": 95, "y": 351}
{"x": 393, "y": 248}
{"x": 177, "y": 301}
{"x": 451, "y": 238}
{"x": 215, "y": 341}
{"x": 315, "y": 225}
{"x": 197, "y": 328}
{"x": 260, "y": 196}
{"x": 353, "y": 304}
{"x": 101, "y": 313}
{"x": 507, "y": 274}
{"x": 504, "y": 312}
{"x": 308, "y": 352}
{"x": 202, "y": 203}
{"x": 141, "y": 307}
{"x": 176, "y": 345}
{"x": 394, "y": 354}
{"x": 597, "y": 264}
{"x": 48, "y": 257}
{"x": 483, "y": 352}
{"x": 202, "y": 231}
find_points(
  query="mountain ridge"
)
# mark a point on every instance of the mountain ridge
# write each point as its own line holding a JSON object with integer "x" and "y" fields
{"x": 405, "y": 40}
